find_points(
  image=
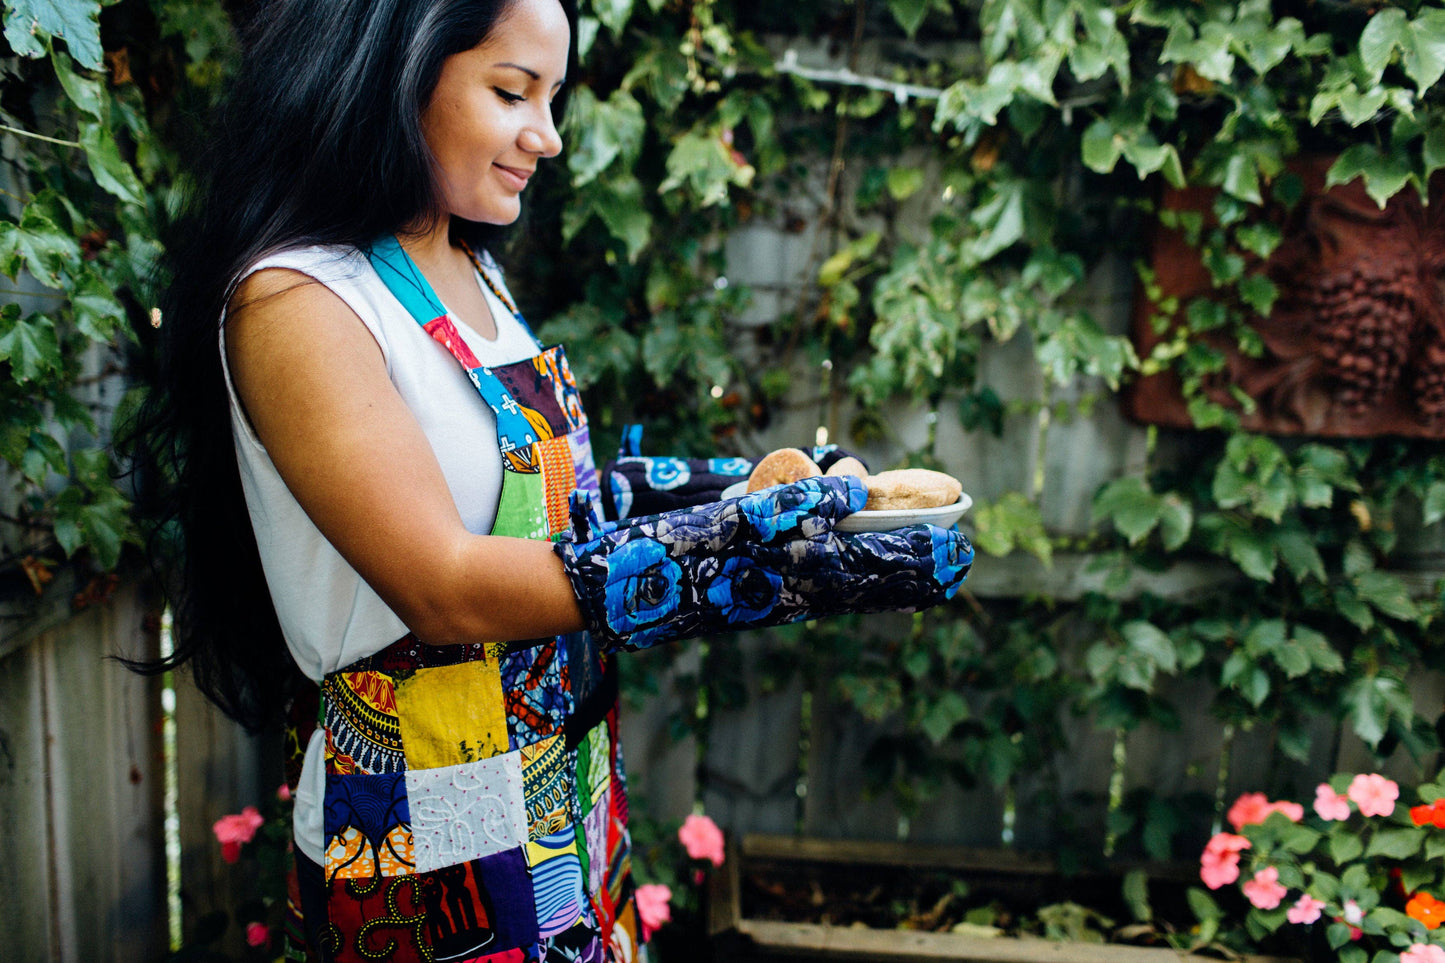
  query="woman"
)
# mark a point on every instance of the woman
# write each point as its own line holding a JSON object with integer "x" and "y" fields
{"x": 402, "y": 507}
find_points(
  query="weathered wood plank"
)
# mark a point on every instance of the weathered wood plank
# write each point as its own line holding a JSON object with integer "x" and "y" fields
{"x": 854, "y": 943}
{"x": 25, "y": 832}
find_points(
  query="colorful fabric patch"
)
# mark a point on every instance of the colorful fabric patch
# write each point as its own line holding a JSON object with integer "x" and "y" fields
{"x": 351, "y": 855}
{"x": 480, "y": 907}
{"x": 409, "y": 654}
{"x": 505, "y": 956}
{"x": 586, "y": 469}
{"x": 558, "y": 480}
{"x": 519, "y": 426}
{"x": 580, "y": 944}
{"x": 466, "y": 812}
{"x": 359, "y": 709}
{"x": 569, "y": 397}
{"x": 534, "y": 680}
{"x": 548, "y": 788}
{"x": 594, "y": 837}
{"x": 624, "y": 940}
{"x": 557, "y": 880}
{"x": 598, "y": 756}
{"x": 363, "y": 812}
{"x": 619, "y": 849}
{"x": 529, "y": 382}
{"x": 522, "y": 510}
{"x": 453, "y": 715}
{"x": 376, "y": 919}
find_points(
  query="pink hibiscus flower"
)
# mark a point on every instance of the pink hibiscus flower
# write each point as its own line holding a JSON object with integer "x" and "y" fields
{"x": 1219, "y": 864}
{"x": 654, "y": 907}
{"x": 1374, "y": 794}
{"x": 702, "y": 839}
{"x": 234, "y": 830}
{"x": 1305, "y": 910}
{"x": 1423, "y": 953}
{"x": 1255, "y": 807}
{"x": 1265, "y": 890}
{"x": 1330, "y": 804}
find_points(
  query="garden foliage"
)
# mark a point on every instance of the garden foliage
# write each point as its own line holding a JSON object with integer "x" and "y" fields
{"x": 1034, "y": 136}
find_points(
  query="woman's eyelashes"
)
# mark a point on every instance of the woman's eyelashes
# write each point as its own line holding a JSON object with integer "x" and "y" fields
{"x": 509, "y": 97}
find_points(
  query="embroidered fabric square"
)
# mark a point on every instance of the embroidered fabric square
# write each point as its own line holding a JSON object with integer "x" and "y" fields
{"x": 465, "y": 812}
{"x": 452, "y": 715}
{"x": 557, "y": 881}
{"x": 547, "y": 783}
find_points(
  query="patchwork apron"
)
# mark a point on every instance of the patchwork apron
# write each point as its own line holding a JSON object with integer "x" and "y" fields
{"x": 475, "y": 802}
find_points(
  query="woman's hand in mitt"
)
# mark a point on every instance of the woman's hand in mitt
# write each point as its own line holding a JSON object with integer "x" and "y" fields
{"x": 766, "y": 558}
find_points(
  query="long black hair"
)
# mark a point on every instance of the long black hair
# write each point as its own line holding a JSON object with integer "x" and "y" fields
{"x": 318, "y": 142}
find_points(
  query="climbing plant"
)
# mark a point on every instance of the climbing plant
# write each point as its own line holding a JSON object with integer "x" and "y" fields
{"x": 966, "y": 167}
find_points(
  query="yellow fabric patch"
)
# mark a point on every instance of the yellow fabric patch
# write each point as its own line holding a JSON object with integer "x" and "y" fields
{"x": 452, "y": 714}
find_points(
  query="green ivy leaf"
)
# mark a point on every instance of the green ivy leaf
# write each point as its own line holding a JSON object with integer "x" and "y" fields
{"x": 1300, "y": 553}
{"x": 1424, "y": 48}
{"x": 39, "y": 246}
{"x": 1384, "y": 175}
{"x": 1176, "y": 519}
{"x": 909, "y": 14}
{"x": 85, "y": 93}
{"x": 1130, "y": 505}
{"x": 1434, "y": 507}
{"x": 1379, "y": 39}
{"x": 621, "y": 208}
{"x": 1148, "y": 640}
{"x": 904, "y": 182}
{"x": 30, "y": 345}
{"x": 601, "y": 133}
{"x": 77, "y": 22}
{"x": 613, "y": 14}
{"x": 109, "y": 169}
{"x": 942, "y": 715}
{"x": 98, "y": 313}
{"x": 1387, "y": 594}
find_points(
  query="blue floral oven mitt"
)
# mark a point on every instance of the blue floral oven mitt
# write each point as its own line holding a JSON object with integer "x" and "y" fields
{"x": 767, "y": 558}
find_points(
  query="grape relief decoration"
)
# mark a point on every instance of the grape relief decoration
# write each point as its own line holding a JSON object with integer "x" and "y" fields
{"x": 1355, "y": 343}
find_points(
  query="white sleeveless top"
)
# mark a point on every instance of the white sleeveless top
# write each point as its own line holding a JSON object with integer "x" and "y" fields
{"x": 329, "y": 616}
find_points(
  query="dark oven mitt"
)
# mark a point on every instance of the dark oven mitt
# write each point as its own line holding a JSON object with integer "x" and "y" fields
{"x": 634, "y": 484}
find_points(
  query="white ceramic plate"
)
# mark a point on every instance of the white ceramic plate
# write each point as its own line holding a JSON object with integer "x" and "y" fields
{"x": 942, "y": 516}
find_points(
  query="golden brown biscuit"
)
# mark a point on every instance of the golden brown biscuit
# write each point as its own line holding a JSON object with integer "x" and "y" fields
{"x": 848, "y": 466}
{"x": 911, "y": 488}
{"x": 781, "y": 467}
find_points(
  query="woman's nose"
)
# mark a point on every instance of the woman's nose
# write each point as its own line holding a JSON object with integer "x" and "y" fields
{"x": 541, "y": 137}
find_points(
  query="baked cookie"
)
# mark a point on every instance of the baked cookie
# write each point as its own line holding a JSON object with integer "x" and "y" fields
{"x": 911, "y": 488}
{"x": 782, "y": 467}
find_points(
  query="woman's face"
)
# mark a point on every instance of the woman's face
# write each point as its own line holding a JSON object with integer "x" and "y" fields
{"x": 489, "y": 120}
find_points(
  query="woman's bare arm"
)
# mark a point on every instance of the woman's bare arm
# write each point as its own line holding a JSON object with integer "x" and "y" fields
{"x": 357, "y": 461}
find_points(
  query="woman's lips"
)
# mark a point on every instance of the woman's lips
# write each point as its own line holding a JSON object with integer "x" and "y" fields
{"x": 516, "y": 177}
